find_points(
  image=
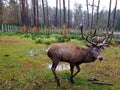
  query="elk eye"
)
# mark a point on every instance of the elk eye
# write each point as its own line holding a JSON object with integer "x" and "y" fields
{"x": 100, "y": 47}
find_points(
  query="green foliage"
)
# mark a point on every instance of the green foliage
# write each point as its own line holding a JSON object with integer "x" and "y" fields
{"x": 48, "y": 43}
{"x": 27, "y": 35}
{"x": 9, "y": 33}
{"x": 116, "y": 40}
{"x": 49, "y": 38}
{"x": 60, "y": 39}
{"x": 40, "y": 41}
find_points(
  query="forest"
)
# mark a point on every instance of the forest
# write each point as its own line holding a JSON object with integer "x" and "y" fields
{"x": 35, "y": 37}
{"x": 37, "y": 13}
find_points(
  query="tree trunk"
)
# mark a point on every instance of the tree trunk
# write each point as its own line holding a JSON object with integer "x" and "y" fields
{"x": 48, "y": 23}
{"x": 34, "y": 15}
{"x": 56, "y": 16}
{"x": 23, "y": 16}
{"x": 108, "y": 23}
{"x": 44, "y": 15}
{"x": 88, "y": 24}
{"x": 92, "y": 15}
{"x": 114, "y": 16}
{"x": 64, "y": 25}
{"x": 97, "y": 13}
{"x": 1, "y": 5}
{"x": 60, "y": 21}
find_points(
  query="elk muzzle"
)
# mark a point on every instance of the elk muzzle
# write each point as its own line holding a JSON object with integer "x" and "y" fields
{"x": 100, "y": 57}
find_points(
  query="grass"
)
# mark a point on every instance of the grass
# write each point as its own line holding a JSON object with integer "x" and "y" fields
{"x": 19, "y": 71}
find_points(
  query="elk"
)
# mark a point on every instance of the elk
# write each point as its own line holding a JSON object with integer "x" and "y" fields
{"x": 74, "y": 55}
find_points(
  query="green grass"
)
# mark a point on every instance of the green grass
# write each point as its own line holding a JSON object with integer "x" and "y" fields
{"x": 20, "y": 71}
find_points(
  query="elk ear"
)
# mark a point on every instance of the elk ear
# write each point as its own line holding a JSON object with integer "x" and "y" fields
{"x": 107, "y": 45}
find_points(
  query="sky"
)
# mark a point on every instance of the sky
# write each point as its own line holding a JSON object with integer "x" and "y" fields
{"x": 104, "y": 4}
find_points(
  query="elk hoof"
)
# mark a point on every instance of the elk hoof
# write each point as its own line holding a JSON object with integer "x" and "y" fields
{"x": 72, "y": 81}
{"x": 58, "y": 84}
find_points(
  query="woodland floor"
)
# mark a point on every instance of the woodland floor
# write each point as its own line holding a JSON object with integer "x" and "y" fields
{"x": 21, "y": 71}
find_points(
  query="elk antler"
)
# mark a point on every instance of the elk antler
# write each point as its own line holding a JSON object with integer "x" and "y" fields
{"x": 109, "y": 35}
{"x": 86, "y": 38}
{"x": 94, "y": 34}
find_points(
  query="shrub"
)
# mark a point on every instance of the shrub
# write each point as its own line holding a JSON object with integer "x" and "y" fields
{"x": 73, "y": 36}
{"x": 8, "y": 33}
{"x": 116, "y": 40}
{"x": 47, "y": 36}
{"x": 39, "y": 41}
{"x": 60, "y": 39}
{"x": 33, "y": 38}
{"x": 27, "y": 35}
{"x": 47, "y": 42}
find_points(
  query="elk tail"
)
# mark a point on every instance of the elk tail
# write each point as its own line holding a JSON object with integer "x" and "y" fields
{"x": 46, "y": 51}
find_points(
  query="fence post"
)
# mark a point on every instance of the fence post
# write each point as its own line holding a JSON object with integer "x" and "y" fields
{"x": 0, "y": 27}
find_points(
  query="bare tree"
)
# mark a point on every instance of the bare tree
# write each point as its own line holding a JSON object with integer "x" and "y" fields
{"x": 23, "y": 15}
{"x": 1, "y": 6}
{"x": 114, "y": 16}
{"x": 56, "y": 17}
{"x": 56, "y": 14}
{"x": 34, "y": 11}
{"x": 97, "y": 18}
{"x": 43, "y": 12}
{"x": 47, "y": 14}
{"x": 68, "y": 13}
{"x": 88, "y": 24}
{"x": 92, "y": 15}
{"x": 35, "y": 14}
{"x": 64, "y": 25}
{"x": 60, "y": 12}
{"x": 37, "y": 10}
{"x": 97, "y": 13}
{"x": 108, "y": 23}
{"x": 26, "y": 12}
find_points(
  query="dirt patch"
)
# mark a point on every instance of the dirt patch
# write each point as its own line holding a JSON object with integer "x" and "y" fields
{"x": 8, "y": 41}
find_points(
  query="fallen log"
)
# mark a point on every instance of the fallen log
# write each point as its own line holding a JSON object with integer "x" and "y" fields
{"x": 101, "y": 83}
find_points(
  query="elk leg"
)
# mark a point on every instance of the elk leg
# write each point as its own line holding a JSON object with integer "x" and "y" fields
{"x": 71, "y": 69}
{"x": 55, "y": 75}
{"x": 78, "y": 70}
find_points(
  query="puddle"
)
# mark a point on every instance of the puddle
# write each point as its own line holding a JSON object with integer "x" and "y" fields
{"x": 37, "y": 52}
{"x": 41, "y": 49}
{"x": 60, "y": 67}
{"x": 31, "y": 52}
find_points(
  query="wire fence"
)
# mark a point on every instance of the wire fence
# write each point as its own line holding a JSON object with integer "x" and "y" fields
{"x": 10, "y": 28}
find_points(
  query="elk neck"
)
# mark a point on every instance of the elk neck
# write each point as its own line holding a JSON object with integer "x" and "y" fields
{"x": 89, "y": 56}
